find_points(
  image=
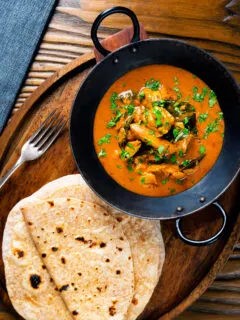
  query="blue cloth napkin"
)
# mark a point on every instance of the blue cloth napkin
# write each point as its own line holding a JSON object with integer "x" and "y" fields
{"x": 22, "y": 23}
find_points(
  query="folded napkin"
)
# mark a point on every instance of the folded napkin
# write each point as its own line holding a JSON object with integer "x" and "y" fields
{"x": 22, "y": 23}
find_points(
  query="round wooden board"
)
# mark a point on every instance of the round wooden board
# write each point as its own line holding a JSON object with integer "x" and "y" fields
{"x": 187, "y": 272}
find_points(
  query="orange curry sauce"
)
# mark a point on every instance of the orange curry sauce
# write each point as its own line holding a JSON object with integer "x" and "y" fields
{"x": 208, "y": 140}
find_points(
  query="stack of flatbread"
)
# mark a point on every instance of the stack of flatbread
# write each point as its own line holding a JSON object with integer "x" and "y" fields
{"x": 68, "y": 255}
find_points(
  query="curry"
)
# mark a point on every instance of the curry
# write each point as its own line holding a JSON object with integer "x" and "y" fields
{"x": 158, "y": 130}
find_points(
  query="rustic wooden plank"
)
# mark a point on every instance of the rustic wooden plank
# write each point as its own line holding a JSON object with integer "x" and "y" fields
{"x": 229, "y": 285}
{"x": 216, "y": 308}
{"x": 202, "y": 19}
{"x": 191, "y": 315}
{"x": 232, "y": 298}
{"x": 231, "y": 271}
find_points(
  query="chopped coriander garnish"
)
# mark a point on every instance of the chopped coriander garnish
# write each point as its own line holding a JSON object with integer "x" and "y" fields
{"x": 202, "y": 150}
{"x": 183, "y": 133}
{"x": 159, "y": 103}
{"x": 152, "y": 84}
{"x": 193, "y": 181}
{"x": 140, "y": 160}
{"x": 131, "y": 179}
{"x": 141, "y": 95}
{"x": 202, "y": 117}
{"x": 102, "y": 153}
{"x": 124, "y": 155}
{"x": 220, "y": 115}
{"x": 130, "y": 109}
{"x": 140, "y": 172}
{"x": 148, "y": 142}
{"x": 194, "y": 76}
{"x": 185, "y": 120}
{"x": 113, "y": 100}
{"x": 176, "y": 89}
{"x": 187, "y": 98}
{"x": 178, "y": 181}
{"x": 177, "y": 110}
{"x": 130, "y": 146}
{"x": 156, "y": 157}
{"x": 205, "y": 91}
{"x": 105, "y": 139}
{"x": 176, "y": 80}
{"x": 211, "y": 127}
{"x": 197, "y": 96}
{"x": 130, "y": 161}
{"x": 212, "y": 100}
{"x": 172, "y": 191}
{"x": 112, "y": 123}
{"x": 152, "y": 132}
{"x": 179, "y": 95}
{"x": 180, "y": 153}
{"x": 222, "y": 134}
{"x": 130, "y": 168}
{"x": 164, "y": 181}
{"x": 173, "y": 158}
{"x": 160, "y": 149}
{"x": 176, "y": 104}
{"x": 142, "y": 180}
{"x": 186, "y": 162}
{"x": 124, "y": 85}
{"x": 175, "y": 132}
{"x": 119, "y": 167}
{"x": 158, "y": 115}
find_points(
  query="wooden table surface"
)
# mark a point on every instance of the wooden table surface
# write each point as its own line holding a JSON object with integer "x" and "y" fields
{"x": 211, "y": 24}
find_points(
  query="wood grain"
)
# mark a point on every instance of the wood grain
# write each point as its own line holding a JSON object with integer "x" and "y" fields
{"x": 213, "y": 25}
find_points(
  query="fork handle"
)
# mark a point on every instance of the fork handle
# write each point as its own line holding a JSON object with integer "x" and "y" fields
{"x": 11, "y": 171}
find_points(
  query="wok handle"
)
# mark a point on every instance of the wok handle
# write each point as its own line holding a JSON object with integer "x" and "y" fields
{"x": 207, "y": 241}
{"x": 106, "y": 13}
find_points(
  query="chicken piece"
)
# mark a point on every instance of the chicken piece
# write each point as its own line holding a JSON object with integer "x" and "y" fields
{"x": 124, "y": 122}
{"x": 126, "y": 96}
{"x": 161, "y": 119}
{"x": 156, "y": 117}
{"x": 139, "y": 114}
{"x": 179, "y": 125}
{"x": 183, "y": 143}
{"x": 141, "y": 167}
{"x": 190, "y": 171}
{"x": 167, "y": 170}
{"x": 133, "y": 147}
{"x": 150, "y": 96}
{"x": 122, "y": 137}
{"x": 179, "y": 175}
{"x": 142, "y": 133}
{"x": 148, "y": 178}
{"x": 130, "y": 135}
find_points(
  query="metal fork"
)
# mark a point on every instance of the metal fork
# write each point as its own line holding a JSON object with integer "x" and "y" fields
{"x": 39, "y": 142}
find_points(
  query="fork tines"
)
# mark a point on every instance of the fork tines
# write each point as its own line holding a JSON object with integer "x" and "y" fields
{"x": 48, "y": 132}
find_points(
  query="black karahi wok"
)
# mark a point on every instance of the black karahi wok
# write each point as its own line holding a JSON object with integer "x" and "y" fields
{"x": 114, "y": 65}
